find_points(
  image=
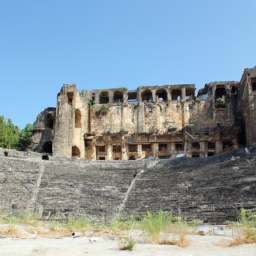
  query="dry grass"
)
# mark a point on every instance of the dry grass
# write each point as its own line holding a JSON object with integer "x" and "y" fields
{"x": 244, "y": 231}
{"x": 159, "y": 228}
{"x": 164, "y": 228}
{"x": 10, "y": 231}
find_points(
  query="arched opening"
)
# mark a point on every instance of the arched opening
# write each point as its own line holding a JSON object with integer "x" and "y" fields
{"x": 233, "y": 90}
{"x": 253, "y": 80}
{"x": 77, "y": 118}
{"x": 47, "y": 147}
{"x": 176, "y": 94}
{"x": 220, "y": 96}
{"x": 70, "y": 97}
{"x": 189, "y": 93}
{"x": 75, "y": 152}
{"x": 49, "y": 121}
{"x": 132, "y": 97}
{"x": 104, "y": 98}
{"x": 161, "y": 95}
{"x": 118, "y": 96}
{"x": 147, "y": 96}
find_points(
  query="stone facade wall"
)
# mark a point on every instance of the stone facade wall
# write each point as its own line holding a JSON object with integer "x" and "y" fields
{"x": 93, "y": 124}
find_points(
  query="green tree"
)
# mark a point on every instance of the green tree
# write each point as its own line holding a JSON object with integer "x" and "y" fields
{"x": 25, "y": 137}
{"x": 11, "y": 137}
{"x": 9, "y": 133}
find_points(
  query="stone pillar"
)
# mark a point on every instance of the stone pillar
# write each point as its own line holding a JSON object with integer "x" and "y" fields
{"x": 202, "y": 148}
{"x": 169, "y": 94}
{"x": 97, "y": 98}
{"x": 173, "y": 150}
{"x": 218, "y": 147}
{"x": 94, "y": 153}
{"x": 183, "y": 93}
{"x": 187, "y": 148}
{"x": 111, "y": 97}
{"x": 206, "y": 149}
{"x": 154, "y": 95}
{"x": 109, "y": 152}
{"x": 139, "y": 148}
{"x": 155, "y": 149}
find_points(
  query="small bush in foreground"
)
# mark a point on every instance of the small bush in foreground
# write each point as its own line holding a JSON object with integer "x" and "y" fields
{"x": 126, "y": 243}
{"x": 164, "y": 228}
{"x": 245, "y": 230}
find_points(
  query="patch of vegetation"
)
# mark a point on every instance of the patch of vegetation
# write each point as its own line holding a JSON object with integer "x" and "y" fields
{"x": 91, "y": 102}
{"x": 123, "y": 89}
{"x": 126, "y": 243}
{"x": 103, "y": 110}
{"x": 220, "y": 103}
{"x": 11, "y": 137}
{"x": 164, "y": 228}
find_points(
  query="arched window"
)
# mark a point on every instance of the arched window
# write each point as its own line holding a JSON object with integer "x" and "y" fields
{"x": 47, "y": 147}
{"x": 118, "y": 96}
{"x": 161, "y": 95}
{"x": 104, "y": 98}
{"x": 77, "y": 118}
{"x": 147, "y": 96}
{"x": 49, "y": 121}
{"x": 75, "y": 152}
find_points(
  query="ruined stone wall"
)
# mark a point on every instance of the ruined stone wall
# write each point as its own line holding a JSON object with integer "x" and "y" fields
{"x": 71, "y": 122}
{"x": 43, "y": 131}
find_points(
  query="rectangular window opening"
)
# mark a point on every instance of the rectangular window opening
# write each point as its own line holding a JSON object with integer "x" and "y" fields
{"x": 101, "y": 149}
{"x": 116, "y": 148}
{"x": 132, "y": 148}
{"x": 146, "y": 147}
{"x": 132, "y": 97}
{"x": 162, "y": 147}
{"x": 178, "y": 147}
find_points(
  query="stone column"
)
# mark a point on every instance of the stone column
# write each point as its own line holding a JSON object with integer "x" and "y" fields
{"x": 154, "y": 95}
{"x": 111, "y": 97}
{"x": 206, "y": 148}
{"x": 183, "y": 93}
{"x": 139, "y": 148}
{"x": 187, "y": 148}
{"x": 202, "y": 148}
{"x": 173, "y": 150}
{"x": 94, "y": 153}
{"x": 155, "y": 149}
{"x": 109, "y": 152}
{"x": 169, "y": 94}
{"x": 219, "y": 147}
{"x": 97, "y": 98}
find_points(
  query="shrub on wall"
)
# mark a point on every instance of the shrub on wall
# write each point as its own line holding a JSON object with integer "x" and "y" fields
{"x": 102, "y": 110}
{"x": 220, "y": 103}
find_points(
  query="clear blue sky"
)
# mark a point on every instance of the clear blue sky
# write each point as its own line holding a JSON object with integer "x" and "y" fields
{"x": 111, "y": 43}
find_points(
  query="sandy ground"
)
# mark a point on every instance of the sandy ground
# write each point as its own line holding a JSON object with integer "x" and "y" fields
{"x": 199, "y": 246}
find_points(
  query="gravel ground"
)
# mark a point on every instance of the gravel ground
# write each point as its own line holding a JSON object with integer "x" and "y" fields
{"x": 199, "y": 246}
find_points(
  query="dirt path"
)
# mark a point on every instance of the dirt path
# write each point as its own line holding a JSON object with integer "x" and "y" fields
{"x": 199, "y": 246}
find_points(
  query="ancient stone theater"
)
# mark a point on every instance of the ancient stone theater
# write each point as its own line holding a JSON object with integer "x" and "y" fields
{"x": 150, "y": 122}
{"x": 215, "y": 131}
